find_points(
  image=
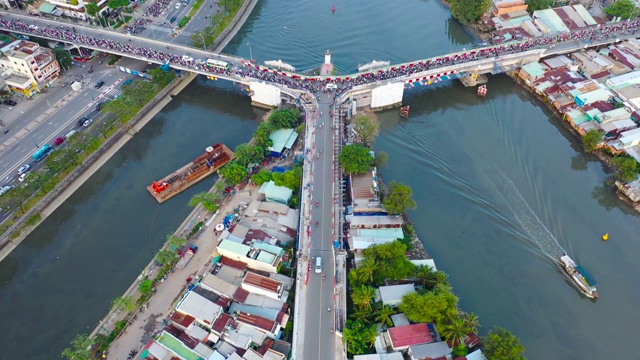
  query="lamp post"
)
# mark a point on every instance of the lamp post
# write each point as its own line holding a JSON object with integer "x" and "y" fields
{"x": 34, "y": 141}
{"x": 250, "y": 52}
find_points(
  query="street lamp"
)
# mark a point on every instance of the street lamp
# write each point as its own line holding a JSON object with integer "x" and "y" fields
{"x": 34, "y": 141}
{"x": 250, "y": 53}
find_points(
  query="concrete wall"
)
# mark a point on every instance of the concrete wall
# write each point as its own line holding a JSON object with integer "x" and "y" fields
{"x": 387, "y": 95}
{"x": 264, "y": 95}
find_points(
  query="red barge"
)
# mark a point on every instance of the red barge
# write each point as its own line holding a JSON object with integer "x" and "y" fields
{"x": 214, "y": 158}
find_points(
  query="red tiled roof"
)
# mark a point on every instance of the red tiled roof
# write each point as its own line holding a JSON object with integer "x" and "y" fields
{"x": 603, "y": 106}
{"x": 408, "y": 335}
{"x": 240, "y": 295}
{"x": 220, "y": 323}
{"x": 618, "y": 55}
{"x": 171, "y": 329}
{"x": 256, "y": 321}
{"x": 266, "y": 345}
{"x": 471, "y": 340}
{"x": 181, "y": 319}
{"x": 279, "y": 317}
{"x": 262, "y": 282}
{"x": 600, "y": 74}
{"x": 257, "y": 235}
{"x": 223, "y": 302}
{"x": 191, "y": 342}
{"x": 233, "y": 263}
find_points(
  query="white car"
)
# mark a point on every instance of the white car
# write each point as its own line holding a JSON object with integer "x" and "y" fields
{"x": 178, "y": 5}
{"x": 22, "y": 177}
{"x": 23, "y": 169}
{"x": 87, "y": 122}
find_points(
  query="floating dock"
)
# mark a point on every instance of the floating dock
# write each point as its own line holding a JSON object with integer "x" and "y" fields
{"x": 214, "y": 158}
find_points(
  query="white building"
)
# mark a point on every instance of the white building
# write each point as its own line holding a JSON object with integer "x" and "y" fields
{"x": 392, "y": 295}
{"x": 199, "y": 307}
{"x": 31, "y": 66}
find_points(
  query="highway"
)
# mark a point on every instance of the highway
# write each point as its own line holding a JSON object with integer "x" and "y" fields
{"x": 319, "y": 340}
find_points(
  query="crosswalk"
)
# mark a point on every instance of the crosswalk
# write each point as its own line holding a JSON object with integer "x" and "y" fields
{"x": 112, "y": 93}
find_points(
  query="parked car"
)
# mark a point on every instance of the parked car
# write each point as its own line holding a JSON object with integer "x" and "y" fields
{"x": 82, "y": 120}
{"x": 173, "y": 19}
{"x": 99, "y": 84}
{"x": 127, "y": 82}
{"x": 23, "y": 169}
{"x": 59, "y": 141}
{"x": 22, "y": 177}
{"x": 9, "y": 102}
{"x": 87, "y": 122}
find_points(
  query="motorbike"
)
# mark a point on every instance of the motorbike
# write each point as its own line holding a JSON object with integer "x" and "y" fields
{"x": 317, "y": 204}
{"x": 317, "y": 224}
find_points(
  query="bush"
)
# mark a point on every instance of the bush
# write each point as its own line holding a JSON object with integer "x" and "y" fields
{"x": 113, "y": 59}
{"x": 184, "y": 21}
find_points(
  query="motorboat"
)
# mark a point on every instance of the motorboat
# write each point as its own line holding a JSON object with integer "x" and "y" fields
{"x": 579, "y": 276}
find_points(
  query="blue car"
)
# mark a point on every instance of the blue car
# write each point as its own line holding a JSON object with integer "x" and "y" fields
{"x": 127, "y": 82}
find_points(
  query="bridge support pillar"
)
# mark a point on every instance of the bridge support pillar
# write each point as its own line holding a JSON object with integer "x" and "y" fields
{"x": 387, "y": 96}
{"x": 264, "y": 95}
{"x": 473, "y": 80}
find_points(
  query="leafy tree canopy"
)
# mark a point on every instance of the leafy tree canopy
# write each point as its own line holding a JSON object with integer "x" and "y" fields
{"x": 590, "y": 140}
{"x": 63, "y": 57}
{"x": 626, "y": 167}
{"x": 399, "y": 199}
{"x": 359, "y": 337}
{"x": 366, "y": 128}
{"x": 261, "y": 135}
{"x": 246, "y": 154}
{"x": 290, "y": 178}
{"x": 436, "y": 306}
{"x": 233, "y": 173}
{"x": 145, "y": 286}
{"x": 391, "y": 261}
{"x": 356, "y": 159}
{"x": 126, "y": 303}
{"x": 204, "y": 38}
{"x": 160, "y": 77}
{"x": 500, "y": 344}
{"x": 284, "y": 118}
{"x": 115, "y": 4}
{"x": 535, "y": 5}
{"x": 80, "y": 348}
{"x": 467, "y": 11}
{"x": 381, "y": 159}
{"x": 625, "y": 9}
{"x": 261, "y": 177}
{"x": 92, "y": 8}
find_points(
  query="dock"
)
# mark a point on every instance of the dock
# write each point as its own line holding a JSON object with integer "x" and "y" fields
{"x": 214, "y": 158}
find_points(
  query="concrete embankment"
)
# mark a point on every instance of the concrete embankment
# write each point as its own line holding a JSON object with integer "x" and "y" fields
{"x": 81, "y": 174}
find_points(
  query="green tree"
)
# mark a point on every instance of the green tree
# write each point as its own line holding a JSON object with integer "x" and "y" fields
{"x": 174, "y": 242}
{"x": 399, "y": 199}
{"x": 145, "y": 286}
{"x": 261, "y": 177}
{"x": 116, "y": 4}
{"x": 284, "y": 118}
{"x": 204, "y": 38}
{"x": 208, "y": 200}
{"x": 366, "y": 129}
{"x": 626, "y": 167}
{"x": 423, "y": 274}
{"x": 500, "y": 344}
{"x": 392, "y": 263}
{"x": 356, "y": 159}
{"x": 590, "y": 140}
{"x": 92, "y": 8}
{"x": 383, "y": 316}
{"x": 454, "y": 331}
{"x": 359, "y": 337}
{"x": 161, "y": 77}
{"x": 381, "y": 159}
{"x": 437, "y": 278}
{"x": 63, "y": 57}
{"x": 362, "y": 314}
{"x": 472, "y": 321}
{"x": 467, "y": 11}
{"x": 535, "y": 5}
{"x": 230, "y": 6}
{"x": 15, "y": 199}
{"x": 436, "y": 306}
{"x": 365, "y": 270}
{"x": 362, "y": 296}
{"x": 246, "y": 154}
{"x": 80, "y": 348}
{"x": 625, "y": 9}
{"x": 459, "y": 350}
{"x": 261, "y": 135}
{"x": 126, "y": 303}
{"x": 290, "y": 178}
{"x": 233, "y": 173}
{"x": 165, "y": 257}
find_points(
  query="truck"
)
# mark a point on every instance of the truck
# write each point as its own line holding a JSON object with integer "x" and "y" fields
{"x": 184, "y": 259}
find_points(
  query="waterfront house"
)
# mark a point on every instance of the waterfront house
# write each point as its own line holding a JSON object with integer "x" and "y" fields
{"x": 430, "y": 351}
{"x": 275, "y": 193}
{"x": 593, "y": 96}
{"x": 262, "y": 285}
{"x": 360, "y": 239}
{"x": 199, "y": 307}
{"x": 283, "y": 140}
{"x": 630, "y": 138}
{"x": 374, "y": 222}
{"x": 401, "y": 337}
{"x": 258, "y": 256}
{"x": 392, "y": 295}
{"x": 396, "y": 355}
{"x": 508, "y": 6}
{"x": 532, "y": 72}
{"x": 365, "y": 193}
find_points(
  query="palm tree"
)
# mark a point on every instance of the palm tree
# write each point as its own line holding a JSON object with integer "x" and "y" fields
{"x": 472, "y": 322}
{"x": 366, "y": 269}
{"x": 362, "y": 296}
{"x": 455, "y": 331}
{"x": 165, "y": 257}
{"x": 438, "y": 278}
{"x": 208, "y": 200}
{"x": 362, "y": 315}
{"x": 80, "y": 348}
{"x": 423, "y": 273}
{"x": 383, "y": 316}
{"x": 174, "y": 242}
{"x": 126, "y": 303}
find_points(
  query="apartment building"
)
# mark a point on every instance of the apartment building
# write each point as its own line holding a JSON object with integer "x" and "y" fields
{"x": 28, "y": 66}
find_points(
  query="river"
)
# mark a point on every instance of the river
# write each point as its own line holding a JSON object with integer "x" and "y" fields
{"x": 500, "y": 186}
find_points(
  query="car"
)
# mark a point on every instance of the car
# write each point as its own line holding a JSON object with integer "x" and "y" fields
{"x": 99, "y": 84}
{"x": 59, "y": 141}
{"x": 23, "y": 169}
{"x": 22, "y": 177}
{"x": 5, "y": 189}
{"x": 87, "y": 122}
{"x": 100, "y": 105}
{"x": 318, "y": 265}
{"x": 82, "y": 120}
{"x": 178, "y": 6}
{"x": 9, "y": 102}
{"x": 173, "y": 19}
{"x": 127, "y": 82}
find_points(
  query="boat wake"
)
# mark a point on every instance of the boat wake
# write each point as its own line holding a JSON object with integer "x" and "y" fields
{"x": 534, "y": 229}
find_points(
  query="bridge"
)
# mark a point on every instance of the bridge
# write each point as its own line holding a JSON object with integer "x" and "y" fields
{"x": 384, "y": 86}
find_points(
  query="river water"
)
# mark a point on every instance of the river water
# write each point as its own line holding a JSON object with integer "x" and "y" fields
{"x": 501, "y": 187}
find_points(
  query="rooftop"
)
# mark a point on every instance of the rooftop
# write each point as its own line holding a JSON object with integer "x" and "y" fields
{"x": 277, "y": 193}
{"x": 391, "y": 295}
{"x": 262, "y": 282}
{"x": 257, "y": 321}
{"x": 282, "y": 138}
{"x": 390, "y": 356}
{"x": 199, "y": 307}
{"x": 364, "y": 186}
{"x": 234, "y": 247}
{"x": 376, "y": 221}
{"x": 408, "y": 335}
{"x": 177, "y": 347}
{"x": 429, "y": 351}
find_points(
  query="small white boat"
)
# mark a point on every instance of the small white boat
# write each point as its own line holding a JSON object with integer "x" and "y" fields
{"x": 579, "y": 276}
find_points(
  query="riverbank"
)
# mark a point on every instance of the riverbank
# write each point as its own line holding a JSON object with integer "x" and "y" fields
{"x": 110, "y": 147}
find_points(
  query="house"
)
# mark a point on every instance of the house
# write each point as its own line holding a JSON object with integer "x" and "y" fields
{"x": 31, "y": 67}
{"x": 593, "y": 96}
{"x": 262, "y": 285}
{"x": 283, "y": 139}
{"x": 392, "y": 295}
{"x": 508, "y": 6}
{"x": 389, "y": 356}
{"x": 365, "y": 193}
{"x": 476, "y": 355}
{"x": 258, "y": 255}
{"x": 200, "y": 308}
{"x": 374, "y": 222}
{"x": 401, "y": 337}
{"x": 532, "y": 72}
{"x": 218, "y": 285}
{"x": 430, "y": 351}
{"x": 271, "y": 328}
{"x": 617, "y": 82}
{"x": 274, "y": 193}
{"x": 630, "y": 138}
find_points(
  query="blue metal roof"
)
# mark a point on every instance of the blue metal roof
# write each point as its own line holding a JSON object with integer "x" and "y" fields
{"x": 586, "y": 276}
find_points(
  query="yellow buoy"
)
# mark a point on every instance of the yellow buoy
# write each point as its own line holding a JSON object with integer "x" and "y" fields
{"x": 605, "y": 237}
